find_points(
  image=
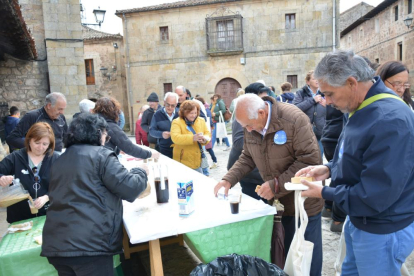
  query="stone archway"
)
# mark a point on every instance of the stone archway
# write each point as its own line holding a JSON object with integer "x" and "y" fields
{"x": 227, "y": 89}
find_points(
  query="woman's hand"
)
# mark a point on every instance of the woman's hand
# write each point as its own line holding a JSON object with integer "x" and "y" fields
{"x": 41, "y": 201}
{"x": 6, "y": 180}
{"x": 198, "y": 137}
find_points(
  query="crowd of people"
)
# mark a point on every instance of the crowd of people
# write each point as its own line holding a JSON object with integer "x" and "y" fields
{"x": 359, "y": 119}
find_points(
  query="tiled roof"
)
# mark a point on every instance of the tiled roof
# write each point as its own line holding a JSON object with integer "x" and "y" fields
{"x": 91, "y": 34}
{"x": 174, "y": 5}
{"x": 15, "y": 37}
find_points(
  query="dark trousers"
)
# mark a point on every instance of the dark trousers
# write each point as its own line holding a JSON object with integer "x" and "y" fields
{"x": 167, "y": 152}
{"x": 313, "y": 234}
{"x": 83, "y": 266}
{"x": 213, "y": 156}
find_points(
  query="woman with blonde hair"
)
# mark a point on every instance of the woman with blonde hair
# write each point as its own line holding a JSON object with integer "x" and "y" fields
{"x": 189, "y": 133}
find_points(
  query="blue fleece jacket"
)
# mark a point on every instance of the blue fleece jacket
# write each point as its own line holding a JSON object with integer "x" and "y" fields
{"x": 373, "y": 165}
{"x": 159, "y": 124}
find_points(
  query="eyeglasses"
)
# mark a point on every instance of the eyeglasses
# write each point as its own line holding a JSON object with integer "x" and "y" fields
{"x": 36, "y": 179}
{"x": 170, "y": 105}
{"x": 398, "y": 84}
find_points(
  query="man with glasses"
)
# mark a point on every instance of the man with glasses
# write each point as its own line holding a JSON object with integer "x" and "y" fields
{"x": 51, "y": 113}
{"x": 161, "y": 123}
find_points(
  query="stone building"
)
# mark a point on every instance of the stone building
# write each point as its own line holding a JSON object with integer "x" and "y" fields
{"x": 216, "y": 46}
{"x": 353, "y": 14}
{"x": 382, "y": 35}
{"x": 104, "y": 56}
{"x": 41, "y": 51}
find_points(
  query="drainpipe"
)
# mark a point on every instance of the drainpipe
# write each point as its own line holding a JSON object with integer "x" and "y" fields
{"x": 333, "y": 25}
{"x": 129, "y": 94}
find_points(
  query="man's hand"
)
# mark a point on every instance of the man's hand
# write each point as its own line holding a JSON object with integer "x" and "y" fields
{"x": 265, "y": 191}
{"x": 6, "y": 180}
{"x": 166, "y": 135}
{"x": 41, "y": 201}
{"x": 313, "y": 191}
{"x": 222, "y": 183}
{"x": 317, "y": 98}
{"x": 323, "y": 102}
{"x": 155, "y": 154}
{"x": 319, "y": 173}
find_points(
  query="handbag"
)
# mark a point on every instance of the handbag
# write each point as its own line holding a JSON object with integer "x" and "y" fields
{"x": 299, "y": 258}
{"x": 221, "y": 131}
{"x": 227, "y": 115}
{"x": 204, "y": 160}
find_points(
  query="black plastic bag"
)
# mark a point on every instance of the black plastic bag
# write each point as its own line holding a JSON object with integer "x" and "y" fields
{"x": 237, "y": 265}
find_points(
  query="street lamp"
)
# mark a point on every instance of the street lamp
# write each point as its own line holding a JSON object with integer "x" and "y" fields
{"x": 408, "y": 21}
{"x": 99, "y": 17}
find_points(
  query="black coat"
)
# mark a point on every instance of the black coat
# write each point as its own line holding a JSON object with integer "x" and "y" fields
{"x": 146, "y": 123}
{"x": 334, "y": 123}
{"x": 17, "y": 164}
{"x": 16, "y": 138}
{"x": 316, "y": 112}
{"x": 87, "y": 185}
{"x": 120, "y": 141}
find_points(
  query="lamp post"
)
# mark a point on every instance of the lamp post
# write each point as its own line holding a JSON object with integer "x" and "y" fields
{"x": 408, "y": 21}
{"x": 99, "y": 17}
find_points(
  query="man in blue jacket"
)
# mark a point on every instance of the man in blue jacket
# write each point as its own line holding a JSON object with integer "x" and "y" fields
{"x": 372, "y": 168}
{"x": 161, "y": 123}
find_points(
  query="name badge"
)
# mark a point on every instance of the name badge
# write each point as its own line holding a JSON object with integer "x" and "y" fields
{"x": 25, "y": 171}
{"x": 280, "y": 137}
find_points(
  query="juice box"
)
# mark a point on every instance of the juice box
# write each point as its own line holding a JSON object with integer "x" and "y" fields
{"x": 185, "y": 198}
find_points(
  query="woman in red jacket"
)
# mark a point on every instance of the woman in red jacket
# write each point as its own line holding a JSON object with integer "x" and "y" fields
{"x": 140, "y": 134}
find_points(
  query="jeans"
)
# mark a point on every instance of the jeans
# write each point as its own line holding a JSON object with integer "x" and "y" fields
{"x": 199, "y": 169}
{"x": 376, "y": 254}
{"x": 313, "y": 234}
{"x": 83, "y": 266}
{"x": 213, "y": 156}
{"x": 213, "y": 138}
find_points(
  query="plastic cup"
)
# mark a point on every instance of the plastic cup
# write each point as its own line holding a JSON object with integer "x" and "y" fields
{"x": 234, "y": 203}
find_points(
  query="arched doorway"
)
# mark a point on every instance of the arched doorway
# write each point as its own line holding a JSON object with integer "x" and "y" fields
{"x": 227, "y": 89}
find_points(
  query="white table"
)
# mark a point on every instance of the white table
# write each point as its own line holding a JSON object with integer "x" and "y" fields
{"x": 146, "y": 220}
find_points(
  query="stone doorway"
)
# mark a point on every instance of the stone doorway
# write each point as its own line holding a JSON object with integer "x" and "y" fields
{"x": 227, "y": 89}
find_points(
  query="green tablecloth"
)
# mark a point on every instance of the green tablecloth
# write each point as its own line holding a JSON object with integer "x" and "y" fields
{"x": 20, "y": 254}
{"x": 251, "y": 237}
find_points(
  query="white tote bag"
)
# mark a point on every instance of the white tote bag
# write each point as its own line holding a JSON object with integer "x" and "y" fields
{"x": 299, "y": 258}
{"x": 221, "y": 131}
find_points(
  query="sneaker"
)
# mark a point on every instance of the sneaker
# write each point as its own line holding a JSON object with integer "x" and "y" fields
{"x": 227, "y": 148}
{"x": 214, "y": 166}
{"x": 337, "y": 228}
{"x": 326, "y": 213}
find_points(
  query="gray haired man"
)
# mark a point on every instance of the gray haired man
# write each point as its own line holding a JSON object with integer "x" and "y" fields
{"x": 372, "y": 171}
{"x": 51, "y": 113}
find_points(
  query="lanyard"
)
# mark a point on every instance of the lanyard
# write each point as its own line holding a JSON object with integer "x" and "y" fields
{"x": 374, "y": 99}
{"x": 190, "y": 128}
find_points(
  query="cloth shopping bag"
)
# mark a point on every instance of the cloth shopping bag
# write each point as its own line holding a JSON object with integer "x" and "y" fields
{"x": 221, "y": 131}
{"x": 299, "y": 258}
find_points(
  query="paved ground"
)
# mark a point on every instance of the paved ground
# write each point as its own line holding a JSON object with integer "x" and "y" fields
{"x": 180, "y": 261}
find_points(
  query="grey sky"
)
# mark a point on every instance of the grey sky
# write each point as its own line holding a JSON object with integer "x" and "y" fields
{"x": 113, "y": 24}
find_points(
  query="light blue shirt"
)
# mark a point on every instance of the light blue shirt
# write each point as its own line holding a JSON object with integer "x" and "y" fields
{"x": 170, "y": 117}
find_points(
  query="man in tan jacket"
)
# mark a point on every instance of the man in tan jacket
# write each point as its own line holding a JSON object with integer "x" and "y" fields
{"x": 279, "y": 141}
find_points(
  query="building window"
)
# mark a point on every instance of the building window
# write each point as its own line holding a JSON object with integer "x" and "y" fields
{"x": 167, "y": 87}
{"x": 410, "y": 6}
{"x": 290, "y": 21}
{"x": 224, "y": 34}
{"x": 377, "y": 60}
{"x": 399, "y": 51}
{"x": 90, "y": 72}
{"x": 164, "y": 34}
{"x": 377, "y": 27}
{"x": 293, "y": 79}
{"x": 396, "y": 12}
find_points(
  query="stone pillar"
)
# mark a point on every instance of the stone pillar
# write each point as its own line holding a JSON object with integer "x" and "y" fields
{"x": 64, "y": 47}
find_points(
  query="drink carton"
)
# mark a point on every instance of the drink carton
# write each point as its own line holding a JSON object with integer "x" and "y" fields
{"x": 185, "y": 198}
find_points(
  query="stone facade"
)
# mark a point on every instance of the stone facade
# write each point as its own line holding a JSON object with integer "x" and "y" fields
{"x": 270, "y": 51}
{"x": 100, "y": 48}
{"x": 353, "y": 14}
{"x": 380, "y": 36}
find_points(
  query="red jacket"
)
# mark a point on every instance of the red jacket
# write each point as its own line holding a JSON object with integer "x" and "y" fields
{"x": 140, "y": 134}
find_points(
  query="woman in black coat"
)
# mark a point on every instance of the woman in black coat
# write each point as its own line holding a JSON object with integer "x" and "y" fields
{"x": 83, "y": 228}
{"x": 109, "y": 109}
{"x": 32, "y": 166}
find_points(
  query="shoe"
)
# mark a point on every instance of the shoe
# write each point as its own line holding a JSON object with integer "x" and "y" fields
{"x": 326, "y": 213}
{"x": 214, "y": 166}
{"x": 227, "y": 148}
{"x": 336, "y": 228}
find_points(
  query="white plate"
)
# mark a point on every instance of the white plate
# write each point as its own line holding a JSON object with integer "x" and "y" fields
{"x": 299, "y": 187}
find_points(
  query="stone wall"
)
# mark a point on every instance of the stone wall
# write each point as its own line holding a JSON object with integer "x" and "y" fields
{"x": 351, "y": 15}
{"x": 271, "y": 52}
{"x": 381, "y": 42}
{"x": 105, "y": 55}
{"x": 64, "y": 46}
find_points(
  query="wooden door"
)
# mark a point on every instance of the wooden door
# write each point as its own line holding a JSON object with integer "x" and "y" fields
{"x": 227, "y": 89}
{"x": 90, "y": 72}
